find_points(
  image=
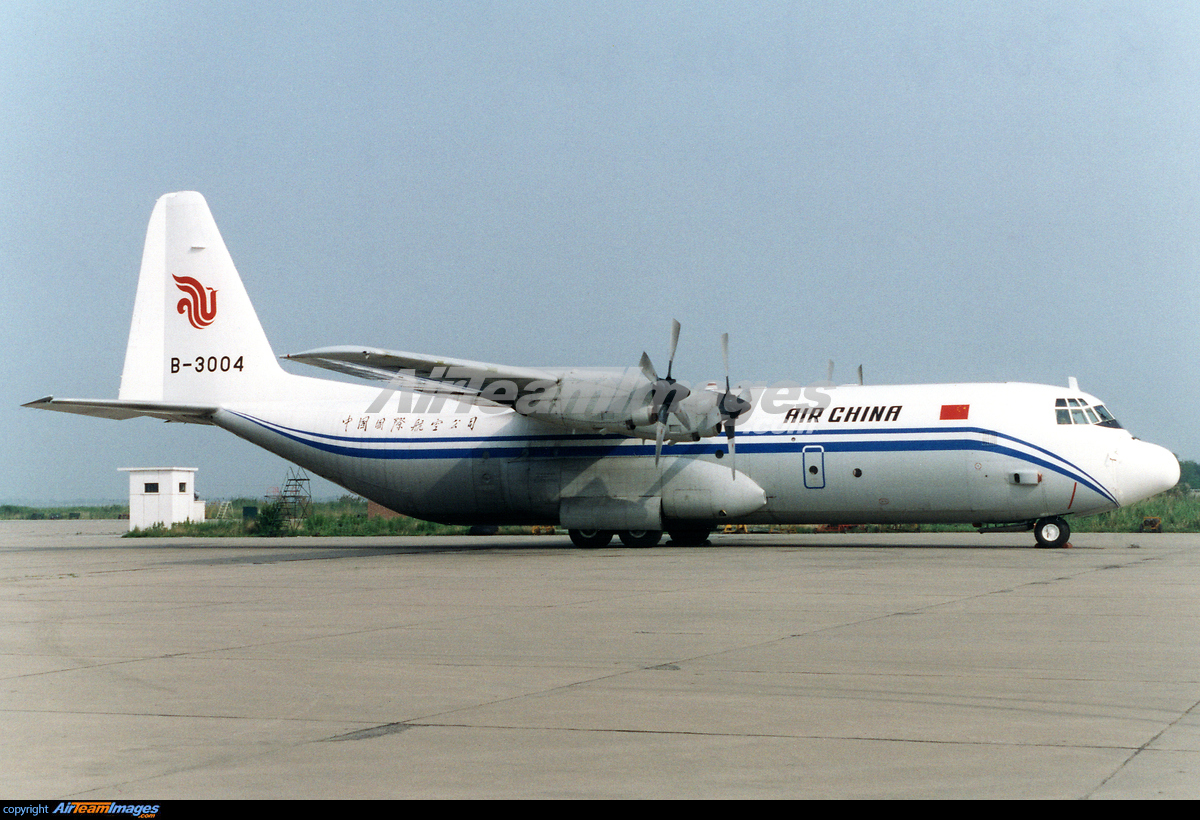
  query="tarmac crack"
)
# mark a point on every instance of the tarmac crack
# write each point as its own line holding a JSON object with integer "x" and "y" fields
{"x": 1143, "y": 748}
{"x": 372, "y": 732}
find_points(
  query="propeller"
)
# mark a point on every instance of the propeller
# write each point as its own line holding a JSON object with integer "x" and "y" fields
{"x": 731, "y": 407}
{"x": 667, "y": 393}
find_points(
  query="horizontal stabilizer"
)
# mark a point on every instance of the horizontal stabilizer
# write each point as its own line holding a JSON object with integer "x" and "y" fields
{"x": 120, "y": 410}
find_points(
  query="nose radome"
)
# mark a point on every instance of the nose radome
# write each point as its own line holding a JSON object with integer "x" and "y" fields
{"x": 1145, "y": 470}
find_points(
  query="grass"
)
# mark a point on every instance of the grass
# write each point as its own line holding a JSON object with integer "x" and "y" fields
{"x": 1179, "y": 510}
{"x": 347, "y": 516}
{"x": 11, "y": 512}
{"x": 319, "y": 524}
{"x": 201, "y": 529}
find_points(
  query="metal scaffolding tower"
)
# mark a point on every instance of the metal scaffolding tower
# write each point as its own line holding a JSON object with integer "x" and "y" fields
{"x": 295, "y": 497}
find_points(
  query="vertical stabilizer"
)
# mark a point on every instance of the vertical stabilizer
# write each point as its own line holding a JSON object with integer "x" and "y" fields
{"x": 195, "y": 337}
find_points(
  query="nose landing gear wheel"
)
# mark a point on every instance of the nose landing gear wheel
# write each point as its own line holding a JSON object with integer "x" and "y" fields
{"x": 1051, "y": 533}
{"x": 590, "y": 539}
{"x": 689, "y": 536}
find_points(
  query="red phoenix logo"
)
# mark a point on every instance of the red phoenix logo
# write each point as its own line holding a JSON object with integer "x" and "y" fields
{"x": 200, "y": 307}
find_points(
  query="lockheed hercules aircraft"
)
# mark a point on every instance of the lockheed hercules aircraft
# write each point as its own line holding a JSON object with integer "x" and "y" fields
{"x": 630, "y": 451}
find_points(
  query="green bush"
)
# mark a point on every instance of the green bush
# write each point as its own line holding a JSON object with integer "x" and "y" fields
{"x": 270, "y": 522}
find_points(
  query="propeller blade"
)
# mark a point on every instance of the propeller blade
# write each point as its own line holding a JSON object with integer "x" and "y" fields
{"x": 725, "y": 356}
{"x": 648, "y": 368}
{"x": 731, "y": 407}
{"x": 658, "y": 441}
{"x": 860, "y": 381}
{"x": 729, "y": 439}
{"x": 675, "y": 326}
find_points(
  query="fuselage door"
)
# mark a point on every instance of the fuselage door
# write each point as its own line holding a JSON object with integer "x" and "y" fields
{"x": 486, "y": 473}
{"x": 532, "y": 486}
{"x": 814, "y": 467}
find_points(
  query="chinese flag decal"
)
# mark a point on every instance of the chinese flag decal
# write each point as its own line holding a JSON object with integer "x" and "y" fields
{"x": 955, "y": 412}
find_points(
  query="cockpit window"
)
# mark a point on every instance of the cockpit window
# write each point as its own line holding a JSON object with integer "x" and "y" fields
{"x": 1106, "y": 418}
{"x": 1077, "y": 411}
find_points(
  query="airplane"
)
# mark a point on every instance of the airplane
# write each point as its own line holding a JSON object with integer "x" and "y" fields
{"x": 622, "y": 451}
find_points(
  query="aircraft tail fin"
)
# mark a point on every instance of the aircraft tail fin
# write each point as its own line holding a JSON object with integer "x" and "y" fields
{"x": 195, "y": 338}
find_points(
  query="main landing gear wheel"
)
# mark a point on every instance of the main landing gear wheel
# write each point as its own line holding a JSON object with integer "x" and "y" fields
{"x": 1051, "y": 533}
{"x": 640, "y": 538}
{"x": 590, "y": 539}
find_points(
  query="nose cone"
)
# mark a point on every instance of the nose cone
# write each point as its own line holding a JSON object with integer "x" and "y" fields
{"x": 1145, "y": 470}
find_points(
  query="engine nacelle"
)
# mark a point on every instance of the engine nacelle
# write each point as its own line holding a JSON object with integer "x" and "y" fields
{"x": 621, "y": 401}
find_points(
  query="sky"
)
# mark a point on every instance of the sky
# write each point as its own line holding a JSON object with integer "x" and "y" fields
{"x": 938, "y": 191}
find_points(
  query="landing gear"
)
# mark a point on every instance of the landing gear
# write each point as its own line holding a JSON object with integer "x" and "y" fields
{"x": 595, "y": 539}
{"x": 640, "y": 538}
{"x": 1051, "y": 532}
{"x": 689, "y": 536}
{"x": 590, "y": 539}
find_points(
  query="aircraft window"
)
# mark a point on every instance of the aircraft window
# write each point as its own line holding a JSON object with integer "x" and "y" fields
{"x": 1106, "y": 418}
{"x": 1077, "y": 411}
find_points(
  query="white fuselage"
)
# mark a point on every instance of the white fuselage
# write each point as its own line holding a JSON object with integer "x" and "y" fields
{"x": 877, "y": 454}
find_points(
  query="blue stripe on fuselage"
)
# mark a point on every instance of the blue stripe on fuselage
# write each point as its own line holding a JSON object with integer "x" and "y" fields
{"x": 608, "y": 444}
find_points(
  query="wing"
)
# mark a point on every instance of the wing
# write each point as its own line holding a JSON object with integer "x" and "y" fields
{"x": 630, "y": 401}
{"x": 422, "y": 372}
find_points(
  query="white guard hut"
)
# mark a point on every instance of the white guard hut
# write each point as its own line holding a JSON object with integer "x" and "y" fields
{"x": 162, "y": 495}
